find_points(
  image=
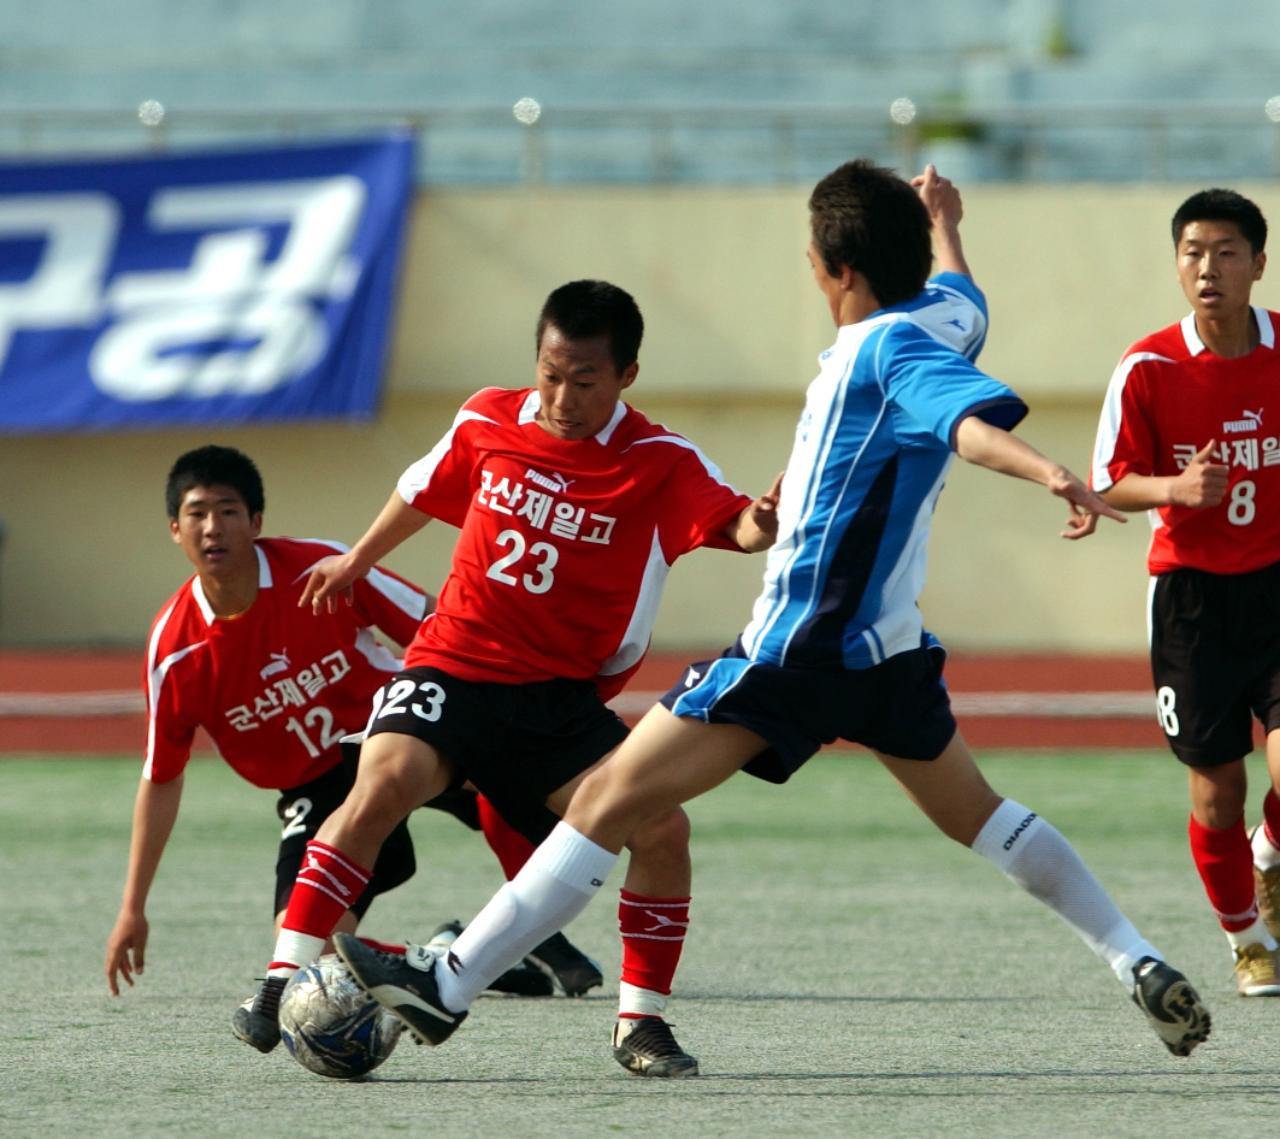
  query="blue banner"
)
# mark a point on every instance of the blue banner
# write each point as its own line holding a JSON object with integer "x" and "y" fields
{"x": 211, "y": 288}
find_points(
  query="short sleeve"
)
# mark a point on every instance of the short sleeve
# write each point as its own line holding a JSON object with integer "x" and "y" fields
{"x": 937, "y": 387}
{"x": 698, "y": 504}
{"x": 390, "y": 603}
{"x": 440, "y": 483}
{"x": 170, "y": 733}
{"x": 1125, "y": 443}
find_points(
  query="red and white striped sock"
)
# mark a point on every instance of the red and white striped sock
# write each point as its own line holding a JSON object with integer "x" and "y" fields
{"x": 653, "y": 932}
{"x": 328, "y": 885}
{"x": 1224, "y": 860}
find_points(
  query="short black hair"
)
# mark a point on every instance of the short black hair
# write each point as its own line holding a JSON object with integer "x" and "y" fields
{"x": 582, "y": 310}
{"x": 868, "y": 218}
{"x": 214, "y": 466}
{"x": 1223, "y": 205}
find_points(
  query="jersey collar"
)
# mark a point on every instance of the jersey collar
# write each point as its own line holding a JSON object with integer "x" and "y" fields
{"x": 1266, "y": 331}
{"x": 529, "y": 414}
{"x": 202, "y": 602}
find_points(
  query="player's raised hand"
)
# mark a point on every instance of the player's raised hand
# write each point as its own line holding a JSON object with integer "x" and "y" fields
{"x": 331, "y": 578}
{"x": 1202, "y": 482}
{"x": 1085, "y": 504}
{"x": 941, "y": 196}
{"x": 126, "y": 951}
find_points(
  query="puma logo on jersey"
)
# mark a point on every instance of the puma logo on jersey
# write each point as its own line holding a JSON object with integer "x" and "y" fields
{"x": 1248, "y": 421}
{"x": 692, "y": 678}
{"x": 279, "y": 663}
{"x": 555, "y": 481}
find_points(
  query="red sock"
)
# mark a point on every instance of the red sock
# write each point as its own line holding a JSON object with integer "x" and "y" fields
{"x": 653, "y": 932}
{"x": 328, "y": 885}
{"x": 510, "y": 846}
{"x": 1224, "y": 859}
{"x": 1271, "y": 818}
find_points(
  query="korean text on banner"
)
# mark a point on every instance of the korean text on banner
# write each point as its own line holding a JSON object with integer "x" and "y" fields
{"x": 219, "y": 287}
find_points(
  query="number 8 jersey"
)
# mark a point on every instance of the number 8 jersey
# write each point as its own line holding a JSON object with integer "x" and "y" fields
{"x": 1167, "y": 399}
{"x": 564, "y": 545}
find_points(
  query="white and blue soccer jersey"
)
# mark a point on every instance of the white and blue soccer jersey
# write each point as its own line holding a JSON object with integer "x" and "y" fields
{"x": 870, "y": 455}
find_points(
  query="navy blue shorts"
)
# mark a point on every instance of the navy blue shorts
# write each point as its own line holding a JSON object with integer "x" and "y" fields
{"x": 516, "y": 743}
{"x": 899, "y": 707}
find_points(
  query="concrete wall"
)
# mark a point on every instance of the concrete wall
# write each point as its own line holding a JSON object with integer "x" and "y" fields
{"x": 1072, "y": 275}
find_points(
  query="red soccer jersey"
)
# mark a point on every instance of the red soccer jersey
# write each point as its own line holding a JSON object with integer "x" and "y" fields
{"x": 564, "y": 544}
{"x": 1168, "y": 398}
{"x": 277, "y": 686}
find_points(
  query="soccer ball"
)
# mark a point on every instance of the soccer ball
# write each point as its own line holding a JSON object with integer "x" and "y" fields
{"x": 331, "y": 1026}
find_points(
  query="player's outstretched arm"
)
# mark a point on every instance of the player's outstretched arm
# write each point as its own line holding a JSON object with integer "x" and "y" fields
{"x": 756, "y": 528}
{"x": 998, "y": 450}
{"x": 334, "y": 577}
{"x": 155, "y": 809}
{"x": 1202, "y": 482}
{"x": 942, "y": 199}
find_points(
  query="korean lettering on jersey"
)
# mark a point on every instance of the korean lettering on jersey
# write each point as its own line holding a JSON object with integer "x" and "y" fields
{"x": 199, "y": 288}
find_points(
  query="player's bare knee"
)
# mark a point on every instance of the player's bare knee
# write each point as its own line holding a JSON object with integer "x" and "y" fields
{"x": 665, "y": 835}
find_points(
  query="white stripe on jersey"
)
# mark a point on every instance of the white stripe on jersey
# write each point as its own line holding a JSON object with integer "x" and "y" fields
{"x": 679, "y": 441}
{"x": 156, "y": 674}
{"x": 376, "y": 653}
{"x": 635, "y": 641}
{"x": 415, "y": 479}
{"x": 1104, "y": 447}
{"x": 404, "y": 598}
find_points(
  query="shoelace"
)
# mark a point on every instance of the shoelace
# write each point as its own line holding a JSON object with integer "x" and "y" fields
{"x": 267, "y": 1001}
{"x": 654, "y": 1038}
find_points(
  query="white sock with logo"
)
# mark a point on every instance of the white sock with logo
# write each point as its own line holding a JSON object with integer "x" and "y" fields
{"x": 552, "y": 888}
{"x": 1036, "y": 856}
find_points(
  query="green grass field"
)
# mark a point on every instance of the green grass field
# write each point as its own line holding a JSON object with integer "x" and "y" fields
{"x": 849, "y": 972}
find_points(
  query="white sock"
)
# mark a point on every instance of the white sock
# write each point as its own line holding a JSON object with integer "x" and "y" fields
{"x": 552, "y": 888}
{"x": 1256, "y": 933}
{"x": 1036, "y": 856}
{"x": 1265, "y": 856}
{"x": 293, "y": 951}
{"x": 635, "y": 1001}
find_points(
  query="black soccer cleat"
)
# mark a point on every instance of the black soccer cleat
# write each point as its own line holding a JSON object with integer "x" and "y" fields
{"x": 403, "y": 984}
{"x": 257, "y": 1020}
{"x": 1171, "y": 1005}
{"x": 560, "y": 960}
{"x": 646, "y": 1047}
{"x": 523, "y": 980}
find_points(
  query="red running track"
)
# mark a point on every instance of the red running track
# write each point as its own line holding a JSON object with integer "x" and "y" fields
{"x": 78, "y": 675}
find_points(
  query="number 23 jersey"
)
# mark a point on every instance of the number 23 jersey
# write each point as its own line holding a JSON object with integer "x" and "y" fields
{"x": 564, "y": 544}
{"x": 1169, "y": 397}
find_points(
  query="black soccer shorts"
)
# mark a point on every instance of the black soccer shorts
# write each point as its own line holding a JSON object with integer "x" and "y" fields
{"x": 516, "y": 743}
{"x": 303, "y": 809}
{"x": 1215, "y": 661}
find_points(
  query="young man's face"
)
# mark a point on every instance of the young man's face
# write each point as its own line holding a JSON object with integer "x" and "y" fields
{"x": 1217, "y": 268}
{"x": 216, "y": 531}
{"x": 579, "y": 385}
